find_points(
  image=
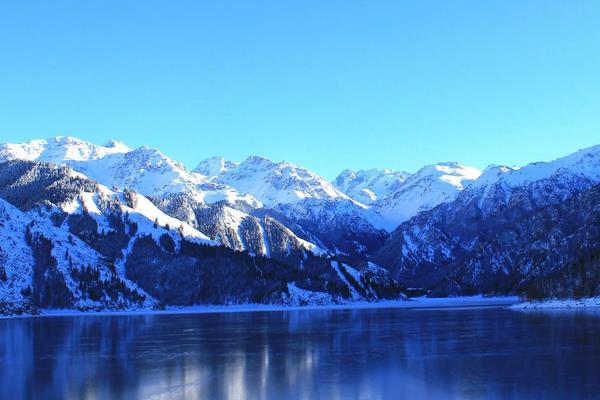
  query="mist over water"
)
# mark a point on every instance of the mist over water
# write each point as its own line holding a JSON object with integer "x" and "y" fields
{"x": 329, "y": 354}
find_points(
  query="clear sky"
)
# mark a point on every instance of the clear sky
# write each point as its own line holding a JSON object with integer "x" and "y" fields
{"x": 325, "y": 84}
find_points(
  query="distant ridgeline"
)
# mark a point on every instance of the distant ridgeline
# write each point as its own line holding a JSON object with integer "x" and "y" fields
{"x": 91, "y": 227}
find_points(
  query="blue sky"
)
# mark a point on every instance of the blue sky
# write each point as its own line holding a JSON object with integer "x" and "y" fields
{"x": 328, "y": 85}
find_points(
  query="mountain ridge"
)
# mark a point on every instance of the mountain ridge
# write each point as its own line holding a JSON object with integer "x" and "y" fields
{"x": 285, "y": 232}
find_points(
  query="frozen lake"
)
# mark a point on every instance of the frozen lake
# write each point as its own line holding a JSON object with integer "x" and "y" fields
{"x": 367, "y": 353}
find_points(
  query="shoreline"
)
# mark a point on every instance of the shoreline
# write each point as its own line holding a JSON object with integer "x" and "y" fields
{"x": 559, "y": 304}
{"x": 412, "y": 304}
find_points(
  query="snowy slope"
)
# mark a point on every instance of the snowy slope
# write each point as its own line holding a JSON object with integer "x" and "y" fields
{"x": 564, "y": 176}
{"x": 368, "y": 186}
{"x": 148, "y": 172}
{"x": 83, "y": 245}
{"x": 146, "y": 215}
{"x": 80, "y": 255}
{"x": 151, "y": 173}
{"x": 68, "y": 252}
{"x": 429, "y": 187}
{"x": 324, "y": 214}
{"x": 214, "y": 166}
{"x": 139, "y": 210}
{"x": 263, "y": 236}
{"x": 275, "y": 183}
{"x": 512, "y": 226}
{"x": 362, "y": 204}
{"x": 398, "y": 196}
{"x": 441, "y": 183}
{"x": 583, "y": 163}
{"x": 60, "y": 149}
{"x": 145, "y": 170}
{"x": 16, "y": 258}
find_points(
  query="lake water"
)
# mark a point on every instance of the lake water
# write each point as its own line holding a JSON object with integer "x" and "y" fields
{"x": 330, "y": 354}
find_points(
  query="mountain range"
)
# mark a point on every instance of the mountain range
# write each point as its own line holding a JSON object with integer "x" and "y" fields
{"x": 88, "y": 226}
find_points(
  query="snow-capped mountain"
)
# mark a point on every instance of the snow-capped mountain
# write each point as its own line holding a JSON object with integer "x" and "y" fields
{"x": 214, "y": 166}
{"x": 82, "y": 245}
{"x": 329, "y": 216}
{"x": 426, "y": 189}
{"x": 398, "y": 196}
{"x": 46, "y": 266}
{"x": 583, "y": 163}
{"x": 145, "y": 170}
{"x": 498, "y": 182}
{"x": 110, "y": 227}
{"x": 510, "y": 230}
{"x": 255, "y": 186}
{"x": 153, "y": 174}
{"x": 16, "y": 259}
{"x": 308, "y": 204}
{"x": 276, "y": 183}
{"x": 264, "y": 236}
{"x": 59, "y": 150}
{"x": 369, "y": 186}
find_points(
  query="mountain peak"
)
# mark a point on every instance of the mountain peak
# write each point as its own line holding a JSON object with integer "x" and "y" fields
{"x": 430, "y": 186}
{"x": 214, "y": 166}
{"x": 583, "y": 163}
{"x": 117, "y": 145}
{"x": 57, "y": 150}
{"x": 258, "y": 160}
{"x": 368, "y": 186}
{"x": 275, "y": 183}
{"x": 450, "y": 172}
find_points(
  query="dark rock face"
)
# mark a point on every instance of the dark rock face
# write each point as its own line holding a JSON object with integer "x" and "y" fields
{"x": 525, "y": 240}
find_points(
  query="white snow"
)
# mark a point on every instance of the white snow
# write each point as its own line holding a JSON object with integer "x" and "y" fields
{"x": 368, "y": 186}
{"x": 143, "y": 212}
{"x": 588, "y": 302}
{"x": 68, "y": 251}
{"x": 59, "y": 149}
{"x": 15, "y": 255}
{"x": 355, "y": 295}
{"x": 266, "y": 246}
{"x": 278, "y": 183}
{"x": 226, "y": 194}
{"x": 145, "y": 170}
{"x": 259, "y": 182}
{"x": 584, "y": 163}
{"x": 429, "y": 187}
{"x": 255, "y": 183}
{"x": 380, "y": 199}
{"x": 354, "y": 273}
{"x": 214, "y": 166}
{"x": 298, "y": 297}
